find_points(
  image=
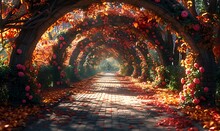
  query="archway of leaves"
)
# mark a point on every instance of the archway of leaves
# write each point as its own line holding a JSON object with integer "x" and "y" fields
{"x": 88, "y": 41}
{"x": 130, "y": 68}
{"x": 80, "y": 46}
{"x": 183, "y": 25}
{"x": 135, "y": 54}
{"x": 116, "y": 43}
{"x": 120, "y": 20}
{"x": 96, "y": 40}
{"x": 64, "y": 43}
{"x": 104, "y": 50}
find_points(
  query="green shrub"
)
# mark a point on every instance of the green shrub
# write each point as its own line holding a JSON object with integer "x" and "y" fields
{"x": 151, "y": 74}
{"x": 4, "y": 72}
{"x": 70, "y": 74}
{"x": 45, "y": 76}
{"x": 3, "y": 94}
{"x": 173, "y": 74}
{"x": 123, "y": 70}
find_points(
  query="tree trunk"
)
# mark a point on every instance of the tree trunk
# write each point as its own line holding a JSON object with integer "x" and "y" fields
{"x": 207, "y": 60}
{"x": 130, "y": 70}
{"x": 144, "y": 74}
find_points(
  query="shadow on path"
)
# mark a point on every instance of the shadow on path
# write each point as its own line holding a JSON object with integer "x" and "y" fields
{"x": 110, "y": 106}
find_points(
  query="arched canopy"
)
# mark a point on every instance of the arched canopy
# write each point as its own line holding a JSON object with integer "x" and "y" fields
{"x": 115, "y": 43}
{"x": 171, "y": 15}
{"x": 132, "y": 31}
{"x": 167, "y": 12}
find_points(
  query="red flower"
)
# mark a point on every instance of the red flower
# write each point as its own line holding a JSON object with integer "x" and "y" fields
{"x": 182, "y": 80}
{"x": 21, "y": 74}
{"x": 157, "y": 1}
{"x": 196, "y": 80}
{"x": 27, "y": 88}
{"x": 61, "y": 38}
{"x": 30, "y": 97}
{"x": 182, "y": 98}
{"x": 196, "y": 27}
{"x": 206, "y": 89}
{"x": 23, "y": 68}
{"x": 191, "y": 85}
{"x": 184, "y": 14}
{"x": 55, "y": 63}
{"x": 54, "y": 56}
{"x": 184, "y": 86}
{"x": 20, "y": 67}
{"x": 39, "y": 85}
{"x": 163, "y": 83}
{"x": 64, "y": 43}
{"x": 188, "y": 71}
{"x": 192, "y": 93}
{"x": 61, "y": 46}
{"x": 201, "y": 69}
{"x": 196, "y": 101}
{"x": 196, "y": 65}
{"x": 19, "y": 51}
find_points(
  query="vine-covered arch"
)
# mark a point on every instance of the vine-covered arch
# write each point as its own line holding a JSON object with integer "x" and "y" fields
{"x": 94, "y": 23}
{"x": 165, "y": 13}
{"x": 176, "y": 16}
{"x": 100, "y": 41}
{"x": 90, "y": 52}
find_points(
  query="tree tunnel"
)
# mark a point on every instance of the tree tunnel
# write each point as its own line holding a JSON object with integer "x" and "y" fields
{"x": 130, "y": 28}
{"x": 105, "y": 53}
{"x": 102, "y": 63}
{"x": 58, "y": 60}
{"x": 100, "y": 36}
{"x": 113, "y": 44}
{"x": 91, "y": 23}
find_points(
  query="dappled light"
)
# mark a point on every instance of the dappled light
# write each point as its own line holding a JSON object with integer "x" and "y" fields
{"x": 110, "y": 65}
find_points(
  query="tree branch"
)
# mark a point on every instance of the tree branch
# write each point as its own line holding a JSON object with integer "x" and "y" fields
{"x": 16, "y": 21}
{"x": 10, "y": 14}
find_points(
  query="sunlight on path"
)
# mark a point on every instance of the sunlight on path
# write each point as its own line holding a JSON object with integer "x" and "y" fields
{"x": 109, "y": 106}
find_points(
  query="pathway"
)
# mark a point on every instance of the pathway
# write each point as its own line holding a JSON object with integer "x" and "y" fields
{"x": 108, "y": 106}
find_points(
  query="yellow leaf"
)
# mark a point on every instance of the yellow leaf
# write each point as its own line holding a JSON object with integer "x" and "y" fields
{"x": 135, "y": 24}
{"x": 211, "y": 123}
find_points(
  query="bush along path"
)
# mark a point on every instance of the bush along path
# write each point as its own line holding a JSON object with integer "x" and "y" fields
{"x": 113, "y": 103}
{"x": 16, "y": 118}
